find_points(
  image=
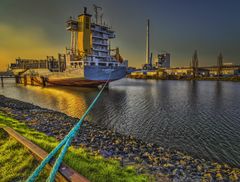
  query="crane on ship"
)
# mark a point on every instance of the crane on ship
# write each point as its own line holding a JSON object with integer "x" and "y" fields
{"x": 117, "y": 55}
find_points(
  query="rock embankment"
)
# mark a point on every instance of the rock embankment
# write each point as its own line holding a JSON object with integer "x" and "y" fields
{"x": 147, "y": 157}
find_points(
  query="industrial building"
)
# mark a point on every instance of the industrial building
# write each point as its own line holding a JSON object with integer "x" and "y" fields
{"x": 163, "y": 69}
{"x": 209, "y": 71}
{"x": 162, "y": 60}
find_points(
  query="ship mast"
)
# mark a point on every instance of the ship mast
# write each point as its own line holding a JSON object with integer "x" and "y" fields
{"x": 101, "y": 19}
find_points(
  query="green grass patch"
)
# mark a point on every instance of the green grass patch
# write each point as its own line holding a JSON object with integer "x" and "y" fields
{"x": 92, "y": 166}
{"x": 16, "y": 162}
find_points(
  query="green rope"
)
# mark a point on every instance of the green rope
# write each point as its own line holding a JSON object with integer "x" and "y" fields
{"x": 66, "y": 142}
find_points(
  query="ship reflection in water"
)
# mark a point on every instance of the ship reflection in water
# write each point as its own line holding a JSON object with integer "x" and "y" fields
{"x": 201, "y": 118}
{"x": 66, "y": 100}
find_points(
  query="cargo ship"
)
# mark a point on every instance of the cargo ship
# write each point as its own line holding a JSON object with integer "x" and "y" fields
{"x": 89, "y": 62}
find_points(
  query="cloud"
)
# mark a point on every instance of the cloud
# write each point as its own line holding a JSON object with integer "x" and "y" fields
{"x": 25, "y": 42}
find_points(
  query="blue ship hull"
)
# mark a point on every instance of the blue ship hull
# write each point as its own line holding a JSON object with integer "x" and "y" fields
{"x": 103, "y": 73}
{"x": 91, "y": 76}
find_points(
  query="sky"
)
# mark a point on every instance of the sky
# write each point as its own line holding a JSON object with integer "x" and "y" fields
{"x": 35, "y": 29}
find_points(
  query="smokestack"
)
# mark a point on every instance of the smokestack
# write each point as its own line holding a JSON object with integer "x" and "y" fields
{"x": 150, "y": 60}
{"x": 147, "y": 42}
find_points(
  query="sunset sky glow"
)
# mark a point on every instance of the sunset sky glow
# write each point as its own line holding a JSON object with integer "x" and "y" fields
{"x": 35, "y": 29}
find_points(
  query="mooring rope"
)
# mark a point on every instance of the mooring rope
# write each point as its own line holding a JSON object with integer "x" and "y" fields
{"x": 66, "y": 142}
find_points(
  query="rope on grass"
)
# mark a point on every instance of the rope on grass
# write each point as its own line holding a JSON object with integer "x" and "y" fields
{"x": 65, "y": 143}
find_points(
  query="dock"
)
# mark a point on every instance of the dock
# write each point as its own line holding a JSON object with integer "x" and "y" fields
{"x": 25, "y": 80}
{"x": 2, "y": 78}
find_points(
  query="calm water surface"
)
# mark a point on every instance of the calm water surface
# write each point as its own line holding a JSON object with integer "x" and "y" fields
{"x": 201, "y": 118}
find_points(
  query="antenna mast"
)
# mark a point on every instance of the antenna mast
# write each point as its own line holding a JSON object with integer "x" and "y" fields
{"x": 96, "y": 8}
{"x": 101, "y": 19}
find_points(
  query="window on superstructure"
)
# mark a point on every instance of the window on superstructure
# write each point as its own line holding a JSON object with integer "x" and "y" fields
{"x": 102, "y": 64}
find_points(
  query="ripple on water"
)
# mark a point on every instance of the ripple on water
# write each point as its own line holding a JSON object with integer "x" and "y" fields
{"x": 201, "y": 118}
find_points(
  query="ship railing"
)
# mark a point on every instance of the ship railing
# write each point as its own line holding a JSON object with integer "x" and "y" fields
{"x": 99, "y": 37}
{"x": 101, "y": 50}
{"x": 100, "y": 43}
{"x": 104, "y": 32}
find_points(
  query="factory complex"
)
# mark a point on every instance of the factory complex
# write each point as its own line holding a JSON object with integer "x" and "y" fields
{"x": 159, "y": 66}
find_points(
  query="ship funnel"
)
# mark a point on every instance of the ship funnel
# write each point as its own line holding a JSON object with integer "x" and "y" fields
{"x": 84, "y": 33}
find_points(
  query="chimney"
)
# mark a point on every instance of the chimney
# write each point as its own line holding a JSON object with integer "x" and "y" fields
{"x": 147, "y": 42}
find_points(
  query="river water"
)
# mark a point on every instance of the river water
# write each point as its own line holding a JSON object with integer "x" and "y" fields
{"x": 200, "y": 118}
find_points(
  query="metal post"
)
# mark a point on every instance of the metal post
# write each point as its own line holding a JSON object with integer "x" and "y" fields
{"x": 43, "y": 81}
{"x": 32, "y": 81}
{"x": 2, "y": 82}
{"x": 72, "y": 42}
{"x": 20, "y": 80}
{"x": 16, "y": 79}
{"x": 25, "y": 80}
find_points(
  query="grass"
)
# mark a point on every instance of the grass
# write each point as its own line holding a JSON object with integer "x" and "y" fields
{"x": 92, "y": 166}
{"x": 16, "y": 162}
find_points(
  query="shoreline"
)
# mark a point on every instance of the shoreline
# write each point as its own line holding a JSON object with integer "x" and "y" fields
{"x": 182, "y": 78}
{"x": 148, "y": 158}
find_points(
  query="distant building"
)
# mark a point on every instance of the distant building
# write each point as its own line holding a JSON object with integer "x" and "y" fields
{"x": 226, "y": 70}
{"x": 228, "y": 64}
{"x": 162, "y": 68}
{"x": 211, "y": 71}
{"x": 162, "y": 60}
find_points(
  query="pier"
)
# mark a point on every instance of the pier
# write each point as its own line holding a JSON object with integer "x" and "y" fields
{"x": 5, "y": 77}
{"x": 21, "y": 80}
{"x": 25, "y": 80}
